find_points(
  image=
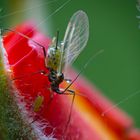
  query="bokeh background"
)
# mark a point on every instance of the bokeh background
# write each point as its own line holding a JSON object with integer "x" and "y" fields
{"x": 114, "y": 27}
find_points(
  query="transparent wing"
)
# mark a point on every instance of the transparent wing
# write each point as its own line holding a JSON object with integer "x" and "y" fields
{"x": 75, "y": 38}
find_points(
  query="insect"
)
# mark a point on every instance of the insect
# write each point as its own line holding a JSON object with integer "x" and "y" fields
{"x": 61, "y": 54}
{"x": 38, "y": 103}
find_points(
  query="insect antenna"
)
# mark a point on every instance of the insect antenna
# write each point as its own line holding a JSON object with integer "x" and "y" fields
{"x": 57, "y": 37}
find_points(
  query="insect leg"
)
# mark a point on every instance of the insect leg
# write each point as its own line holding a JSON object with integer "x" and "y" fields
{"x": 25, "y": 36}
{"x": 23, "y": 76}
{"x": 83, "y": 68}
{"x": 71, "y": 92}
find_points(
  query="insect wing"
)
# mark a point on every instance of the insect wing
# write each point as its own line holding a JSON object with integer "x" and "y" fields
{"x": 75, "y": 38}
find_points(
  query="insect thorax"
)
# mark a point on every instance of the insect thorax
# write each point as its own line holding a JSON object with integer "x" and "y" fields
{"x": 53, "y": 60}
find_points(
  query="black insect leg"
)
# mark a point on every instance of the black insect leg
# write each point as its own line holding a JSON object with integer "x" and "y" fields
{"x": 70, "y": 92}
{"x": 31, "y": 74}
{"x": 27, "y": 37}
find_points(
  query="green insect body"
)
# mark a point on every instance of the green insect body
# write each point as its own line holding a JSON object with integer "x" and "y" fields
{"x": 54, "y": 57}
{"x": 38, "y": 102}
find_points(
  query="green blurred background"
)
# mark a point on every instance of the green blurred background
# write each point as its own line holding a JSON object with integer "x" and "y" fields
{"x": 114, "y": 27}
